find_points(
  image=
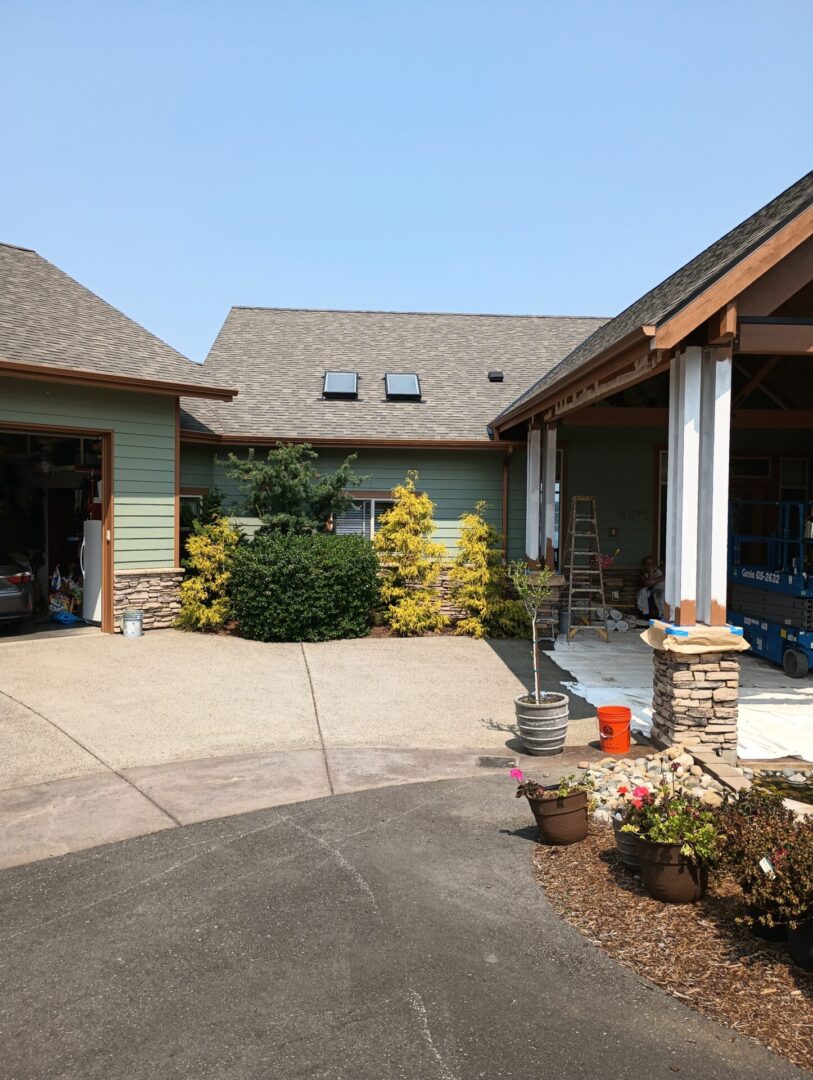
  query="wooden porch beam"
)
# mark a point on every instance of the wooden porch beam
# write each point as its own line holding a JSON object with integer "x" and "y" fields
{"x": 764, "y": 419}
{"x": 626, "y": 371}
{"x": 722, "y": 326}
{"x": 606, "y": 416}
{"x": 754, "y": 381}
{"x": 775, "y": 338}
{"x": 736, "y": 280}
{"x": 780, "y": 283}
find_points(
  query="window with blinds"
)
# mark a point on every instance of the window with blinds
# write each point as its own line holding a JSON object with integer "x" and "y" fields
{"x": 362, "y": 518}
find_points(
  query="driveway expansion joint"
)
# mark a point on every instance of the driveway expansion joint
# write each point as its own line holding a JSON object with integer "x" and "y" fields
{"x": 316, "y": 717}
{"x": 94, "y": 755}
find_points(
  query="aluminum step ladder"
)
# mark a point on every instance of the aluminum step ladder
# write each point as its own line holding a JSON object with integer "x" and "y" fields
{"x": 585, "y": 575}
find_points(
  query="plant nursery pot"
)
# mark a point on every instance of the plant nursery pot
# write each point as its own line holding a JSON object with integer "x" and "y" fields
{"x": 777, "y": 932}
{"x": 561, "y": 821}
{"x": 543, "y": 726}
{"x": 669, "y": 876}
{"x": 800, "y": 944}
{"x": 626, "y": 844}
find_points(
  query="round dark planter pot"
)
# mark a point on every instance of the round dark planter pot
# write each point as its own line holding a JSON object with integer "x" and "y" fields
{"x": 626, "y": 844}
{"x": 669, "y": 876}
{"x": 561, "y": 821}
{"x": 800, "y": 944}
{"x": 542, "y": 725}
{"x": 777, "y": 932}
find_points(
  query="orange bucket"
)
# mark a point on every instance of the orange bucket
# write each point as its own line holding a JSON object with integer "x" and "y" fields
{"x": 614, "y": 728}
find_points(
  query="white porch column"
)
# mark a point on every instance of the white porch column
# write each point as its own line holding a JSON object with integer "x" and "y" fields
{"x": 683, "y": 486}
{"x": 712, "y": 526}
{"x": 548, "y": 494}
{"x": 532, "y": 473}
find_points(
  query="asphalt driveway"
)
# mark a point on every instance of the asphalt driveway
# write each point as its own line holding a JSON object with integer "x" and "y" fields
{"x": 104, "y": 738}
{"x": 385, "y": 934}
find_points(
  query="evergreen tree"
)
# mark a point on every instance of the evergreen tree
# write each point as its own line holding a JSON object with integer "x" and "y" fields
{"x": 287, "y": 493}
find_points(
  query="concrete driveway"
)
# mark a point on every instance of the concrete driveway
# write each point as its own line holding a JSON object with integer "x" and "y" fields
{"x": 384, "y": 935}
{"x": 103, "y": 738}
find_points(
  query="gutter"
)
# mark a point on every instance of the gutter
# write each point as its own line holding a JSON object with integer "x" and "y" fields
{"x": 104, "y": 380}
{"x": 349, "y": 443}
{"x": 527, "y": 407}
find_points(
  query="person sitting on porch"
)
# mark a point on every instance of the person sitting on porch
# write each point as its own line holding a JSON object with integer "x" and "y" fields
{"x": 649, "y": 600}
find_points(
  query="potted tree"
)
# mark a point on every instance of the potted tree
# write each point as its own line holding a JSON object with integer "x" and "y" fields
{"x": 560, "y": 811}
{"x": 677, "y": 840}
{"x": 542, "y": 717}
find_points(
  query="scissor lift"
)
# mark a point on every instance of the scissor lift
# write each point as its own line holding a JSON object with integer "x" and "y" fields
{"x": 770, "y": 580}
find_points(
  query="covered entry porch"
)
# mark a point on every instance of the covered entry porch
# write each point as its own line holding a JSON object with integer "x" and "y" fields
{"x": 689, "y": 418}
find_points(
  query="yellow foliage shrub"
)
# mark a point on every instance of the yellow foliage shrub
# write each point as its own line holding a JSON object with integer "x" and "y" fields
{"x": 411, "y": 561}
{"x": 204, "y": 594}
{"x": 480, "y": 581}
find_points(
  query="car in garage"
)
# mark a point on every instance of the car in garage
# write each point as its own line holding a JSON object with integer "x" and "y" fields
{"x": 16, "y": 591}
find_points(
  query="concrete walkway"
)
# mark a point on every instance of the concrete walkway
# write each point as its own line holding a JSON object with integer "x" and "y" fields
{"x": 104, "y": 738}
{"x": 385, "y": 935}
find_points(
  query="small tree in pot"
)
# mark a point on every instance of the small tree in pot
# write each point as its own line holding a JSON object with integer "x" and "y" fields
{"x": 541, "y": 717}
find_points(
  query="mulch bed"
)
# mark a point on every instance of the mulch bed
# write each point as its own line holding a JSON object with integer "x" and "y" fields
{"x": 696, "y": 951}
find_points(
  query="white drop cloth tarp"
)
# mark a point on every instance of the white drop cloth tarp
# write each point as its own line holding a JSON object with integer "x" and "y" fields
{"x": 775, "y": 711}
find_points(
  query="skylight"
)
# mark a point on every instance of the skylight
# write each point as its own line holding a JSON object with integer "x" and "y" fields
{"x": 402, "y": 387}
{"x": 341, "y": 384}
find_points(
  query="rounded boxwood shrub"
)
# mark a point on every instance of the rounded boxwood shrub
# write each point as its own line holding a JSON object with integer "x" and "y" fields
{"x": 288, "y": 587}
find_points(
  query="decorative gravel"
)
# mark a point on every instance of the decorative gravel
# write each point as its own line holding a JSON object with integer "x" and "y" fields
{"x": 695, "y": 951}
{"x": 615, "y": 780}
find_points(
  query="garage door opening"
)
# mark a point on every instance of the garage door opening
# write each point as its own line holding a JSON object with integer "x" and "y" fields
{"x": 55, "y": 532}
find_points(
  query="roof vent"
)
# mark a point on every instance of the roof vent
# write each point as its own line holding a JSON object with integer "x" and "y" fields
{"x": 495, "y": 376}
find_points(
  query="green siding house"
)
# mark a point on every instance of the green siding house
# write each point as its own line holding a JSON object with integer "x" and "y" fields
{"x": 102, "y": 422}
{"x": 463, "y": 369}
{"x": 89, "y": 402}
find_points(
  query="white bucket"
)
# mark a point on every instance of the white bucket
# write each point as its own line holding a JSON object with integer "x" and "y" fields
{"x": 132, "y": 623}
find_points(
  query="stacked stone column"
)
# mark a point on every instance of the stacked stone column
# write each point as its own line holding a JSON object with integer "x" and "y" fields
{"x": 695, "y": 701}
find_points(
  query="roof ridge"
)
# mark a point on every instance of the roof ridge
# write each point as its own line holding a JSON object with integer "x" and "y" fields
{"x": 17, "y": 247}
{"x": 383, "y": 311}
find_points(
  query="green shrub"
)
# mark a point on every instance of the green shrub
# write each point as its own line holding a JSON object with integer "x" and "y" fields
{"x": 290, "y": 587}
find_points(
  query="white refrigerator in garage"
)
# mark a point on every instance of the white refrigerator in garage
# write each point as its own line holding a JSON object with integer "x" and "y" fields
{"x": 90, "y": 558}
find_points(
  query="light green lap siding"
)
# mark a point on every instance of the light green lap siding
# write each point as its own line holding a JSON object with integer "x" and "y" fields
{"x": 455, "y": 480}
{"x": 197, "y": 465}
{"x": 143, "y": 427}
{"x": 617, "y": 465}
{"x": 516, "y": 504}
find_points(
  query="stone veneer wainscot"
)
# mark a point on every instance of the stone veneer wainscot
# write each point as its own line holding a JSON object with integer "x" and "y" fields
{"x": 155, "y": 592}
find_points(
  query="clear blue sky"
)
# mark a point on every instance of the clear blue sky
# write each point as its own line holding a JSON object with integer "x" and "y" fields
{"x": 443, "y": 155}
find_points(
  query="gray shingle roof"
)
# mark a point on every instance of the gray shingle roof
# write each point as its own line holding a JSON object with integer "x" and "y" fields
{"x": 277, "y": 359}
{"x": 662, "y": 302}
{"x": 50, "y": 320}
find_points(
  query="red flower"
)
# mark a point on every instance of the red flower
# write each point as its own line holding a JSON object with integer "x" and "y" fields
{"x": 637, "y": 803}
{"x": 623, "y": 790}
